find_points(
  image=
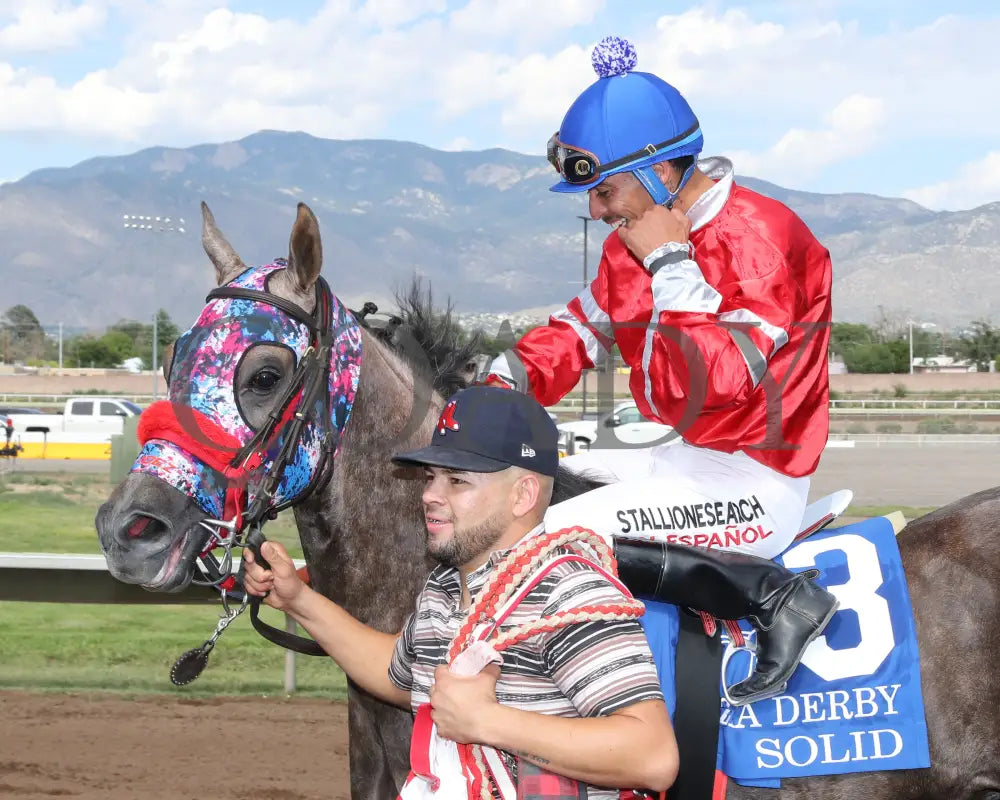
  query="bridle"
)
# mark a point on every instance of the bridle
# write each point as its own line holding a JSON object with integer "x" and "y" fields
{"x": 241, "y": 521}
{"x": 293, "y": 409}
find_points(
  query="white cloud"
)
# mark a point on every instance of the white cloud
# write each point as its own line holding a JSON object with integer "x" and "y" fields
{"x": 42, "y": 25}
{"x": 853, "y": 128}
{"x": 391, "y": 13}
{"x": 458, "y": 143}
{"x": 976, "y": 184}
{"x": 789, "y": 99}
{"x": 533, "y": 20}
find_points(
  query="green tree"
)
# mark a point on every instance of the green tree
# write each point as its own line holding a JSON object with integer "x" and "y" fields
{"x": 166, "y": 330}
{"x": 21, "y": 334}
{"x": 844, "y": 335}
{"x": 981, "y": 344}
{"x": 90, "y": 351}
{"x": 131, "y": 328}
{"x": 106, "y": 351}
{"x": 166, "y": 333}
{"x": 878, "y": 358}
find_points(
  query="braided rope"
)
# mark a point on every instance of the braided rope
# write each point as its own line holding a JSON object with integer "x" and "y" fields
{"x": 510, "y": 574}
{"x": 479, "y": 759}
{"x": 632, "y": 609}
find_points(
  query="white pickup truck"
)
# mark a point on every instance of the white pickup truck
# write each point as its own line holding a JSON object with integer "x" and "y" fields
{"x": 96, "y": 416}
{"x": 625, "y": 423}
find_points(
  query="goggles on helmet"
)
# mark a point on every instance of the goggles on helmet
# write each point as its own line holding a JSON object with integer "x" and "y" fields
{"x": 578, "y": 166}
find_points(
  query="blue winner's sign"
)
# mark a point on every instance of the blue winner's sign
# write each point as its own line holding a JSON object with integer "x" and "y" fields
{"x": 855, "y": 703}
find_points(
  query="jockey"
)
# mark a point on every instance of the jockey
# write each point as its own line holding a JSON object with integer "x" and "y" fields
{"x": 719, "y": 300}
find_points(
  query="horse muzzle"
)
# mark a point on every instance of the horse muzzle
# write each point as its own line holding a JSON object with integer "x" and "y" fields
{"x": 149, "y": 533}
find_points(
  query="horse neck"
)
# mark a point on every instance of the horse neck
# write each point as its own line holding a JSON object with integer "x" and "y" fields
{"x": 364, "y": 535}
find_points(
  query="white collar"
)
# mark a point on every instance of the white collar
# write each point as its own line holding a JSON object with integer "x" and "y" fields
{"x": 707, "y": 207}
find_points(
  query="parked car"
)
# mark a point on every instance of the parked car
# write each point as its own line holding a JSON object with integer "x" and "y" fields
{"x": 96, "y": 415}
{"x": 625, "y": 423}
{"x": 7, "y": 410}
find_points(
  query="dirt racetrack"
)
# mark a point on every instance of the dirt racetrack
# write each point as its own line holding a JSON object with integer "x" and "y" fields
{"x": 108, "y": 747}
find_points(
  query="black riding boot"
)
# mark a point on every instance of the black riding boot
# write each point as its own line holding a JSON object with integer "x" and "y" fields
{"x": 787, "y": 610}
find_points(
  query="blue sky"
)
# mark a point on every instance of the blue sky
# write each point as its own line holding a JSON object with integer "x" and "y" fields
{"x": 891, "y": 97}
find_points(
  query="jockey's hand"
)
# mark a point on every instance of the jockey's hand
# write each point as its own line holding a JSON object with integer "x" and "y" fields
{"x": 280, "y": 585}
{"x": 657, "y": 226}
{"x": 495, "y": 380}
{"x": 459, "y": 704}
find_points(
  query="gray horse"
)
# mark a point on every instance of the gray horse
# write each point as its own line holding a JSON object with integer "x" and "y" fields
{"x": 362, "y": 535}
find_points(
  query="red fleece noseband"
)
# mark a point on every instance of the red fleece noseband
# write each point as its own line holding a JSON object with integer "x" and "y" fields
{"x": 196, "y": 433}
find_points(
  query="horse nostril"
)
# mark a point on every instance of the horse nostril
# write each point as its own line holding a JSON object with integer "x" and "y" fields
{"x": 148, "y": 528}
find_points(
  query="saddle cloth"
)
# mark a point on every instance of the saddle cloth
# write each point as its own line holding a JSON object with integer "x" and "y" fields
{"x": 855, "y": 703}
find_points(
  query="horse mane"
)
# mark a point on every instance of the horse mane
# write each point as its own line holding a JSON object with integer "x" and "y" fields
{"x": 442, "y": 345}
{"x": 451, "y": 354}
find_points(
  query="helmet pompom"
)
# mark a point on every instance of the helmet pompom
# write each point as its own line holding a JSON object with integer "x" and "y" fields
{"x": 613, "y": 56}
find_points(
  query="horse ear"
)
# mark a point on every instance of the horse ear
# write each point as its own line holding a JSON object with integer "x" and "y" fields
{"x": 227, "y": 263}
{"x": 305, "y": 250}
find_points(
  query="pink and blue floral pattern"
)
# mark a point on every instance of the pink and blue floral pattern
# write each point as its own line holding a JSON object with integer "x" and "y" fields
{"x": 203, "y": 374}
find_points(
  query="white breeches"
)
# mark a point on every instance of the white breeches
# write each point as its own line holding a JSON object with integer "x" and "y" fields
{"x": 686, "y": 495}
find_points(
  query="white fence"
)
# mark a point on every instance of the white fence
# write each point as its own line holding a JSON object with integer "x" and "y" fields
{"x": 57, "y": 578}
{"x": 839, "y": 406}
{"x": 904, "y": 404}
{"x": 575, "y": 403}
{"x": 914, "y": 439}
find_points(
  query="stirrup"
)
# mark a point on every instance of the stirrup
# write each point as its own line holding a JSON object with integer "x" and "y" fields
{"x": 730, "y": 651}
{"x": 727, "y": 654}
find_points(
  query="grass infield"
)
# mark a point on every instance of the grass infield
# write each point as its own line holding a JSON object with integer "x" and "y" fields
{"x": 126, "y": 648}
{"x": 130, "y": 648}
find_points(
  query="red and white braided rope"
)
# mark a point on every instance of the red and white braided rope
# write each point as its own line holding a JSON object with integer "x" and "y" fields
{"x": 514, "y": 571}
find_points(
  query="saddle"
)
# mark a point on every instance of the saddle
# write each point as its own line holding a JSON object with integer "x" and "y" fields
{"x": 699, "y": 659}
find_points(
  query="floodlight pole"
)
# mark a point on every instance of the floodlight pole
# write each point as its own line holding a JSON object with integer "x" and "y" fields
{"x": 154, "y": 224}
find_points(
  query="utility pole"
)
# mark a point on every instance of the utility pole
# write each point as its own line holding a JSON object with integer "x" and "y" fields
{"x": 156, "y": 347}
{"x": 583, "y": 375}
{"x": 60, "y": 348}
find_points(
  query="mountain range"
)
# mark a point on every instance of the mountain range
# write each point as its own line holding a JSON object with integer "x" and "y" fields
{"x": 481, "y": 227}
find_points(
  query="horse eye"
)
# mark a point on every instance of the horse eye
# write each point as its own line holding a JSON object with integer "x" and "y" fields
{"x": 265, "y": 380}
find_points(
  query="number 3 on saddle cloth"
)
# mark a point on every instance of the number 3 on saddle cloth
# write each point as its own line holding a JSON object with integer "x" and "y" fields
{"x": 855, "y": 703}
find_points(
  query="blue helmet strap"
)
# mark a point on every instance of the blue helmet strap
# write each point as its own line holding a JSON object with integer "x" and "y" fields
{"x": 660, "y": 194}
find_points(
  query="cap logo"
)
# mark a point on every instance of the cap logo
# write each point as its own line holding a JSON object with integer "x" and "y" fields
{"x": 527, "y": 452}
{"x": 447, "y": 421}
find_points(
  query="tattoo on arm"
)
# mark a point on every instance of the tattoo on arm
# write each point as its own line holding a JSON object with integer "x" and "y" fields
{"x": 531, "y": 757}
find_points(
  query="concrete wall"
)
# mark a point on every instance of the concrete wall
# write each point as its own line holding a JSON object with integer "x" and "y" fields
{"x": 919, "y": 383}
{"x": 130, "y": 383}
{"x": 104, "y": 381}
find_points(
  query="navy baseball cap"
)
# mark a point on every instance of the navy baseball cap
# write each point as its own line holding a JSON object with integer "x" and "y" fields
{"x": 487, "y": 429}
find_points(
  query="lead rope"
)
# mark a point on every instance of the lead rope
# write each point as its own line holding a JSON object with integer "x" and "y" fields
{"x": 516, "y": 568}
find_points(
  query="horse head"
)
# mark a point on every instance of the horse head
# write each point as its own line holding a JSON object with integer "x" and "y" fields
{"x": 260, "y": 389}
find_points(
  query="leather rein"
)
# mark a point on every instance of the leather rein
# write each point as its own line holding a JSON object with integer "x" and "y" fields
{"x": 241, "y": 524}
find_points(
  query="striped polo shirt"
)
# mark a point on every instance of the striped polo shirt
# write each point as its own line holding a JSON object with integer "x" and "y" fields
{"x": 587, "y": 669}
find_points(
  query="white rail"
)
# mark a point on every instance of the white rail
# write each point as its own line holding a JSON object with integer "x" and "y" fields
{"x": 918, "y": 439}
{"x": 576, "y": 402}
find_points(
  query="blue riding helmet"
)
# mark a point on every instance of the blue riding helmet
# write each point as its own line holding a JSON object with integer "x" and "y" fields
{"x": 623, "y": 122}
